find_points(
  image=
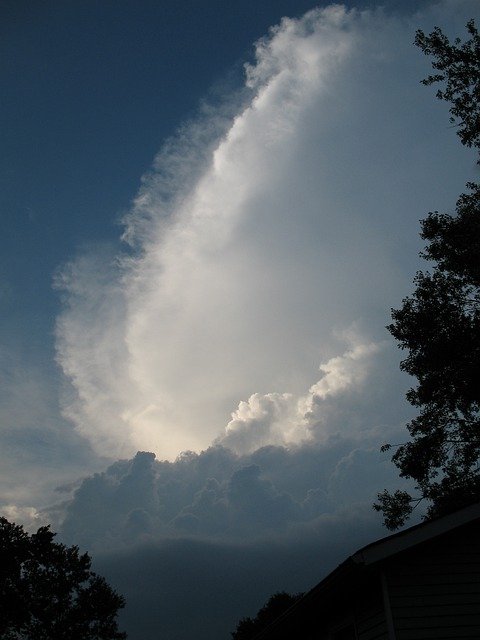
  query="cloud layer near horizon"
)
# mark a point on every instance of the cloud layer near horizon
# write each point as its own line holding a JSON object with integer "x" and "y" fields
{"x": 223, "y": 531}
{"x": 258, "y": 238}
{"x": 271, "y": 494}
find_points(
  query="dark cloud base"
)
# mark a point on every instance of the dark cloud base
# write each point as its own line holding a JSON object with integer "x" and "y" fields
{"x": 218, "y": 495}
{"x": 196, "y": 544}
{"x": 184, "y": 589}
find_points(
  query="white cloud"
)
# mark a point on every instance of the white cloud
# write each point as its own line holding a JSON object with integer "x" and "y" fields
{"x": 259, "y": 236}
{"x": 262, "y": 420}
{"x": 282, "y": 419}
{"x": 28, "y": 517}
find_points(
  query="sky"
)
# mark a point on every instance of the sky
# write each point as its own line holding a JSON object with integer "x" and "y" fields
{"x": 208, "y": 211}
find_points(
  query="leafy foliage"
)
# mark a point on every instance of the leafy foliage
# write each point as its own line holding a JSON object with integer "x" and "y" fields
{"x": 248, "y": 628}
{"x": 439, "y": 324}
{"x": 459, "y": 64}
{"x": 48, "y": 592}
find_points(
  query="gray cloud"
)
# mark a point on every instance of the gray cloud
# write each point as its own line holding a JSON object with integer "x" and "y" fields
{"x": 217, "y": 533}
{"x": 218, "y": 495}
{"x": 38, "y": 450}
{"x": 189, "y": 588}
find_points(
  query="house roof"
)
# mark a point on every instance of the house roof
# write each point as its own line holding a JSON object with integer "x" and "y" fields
{"x": 386, "y": 547}
{"x": 362, "y": 560}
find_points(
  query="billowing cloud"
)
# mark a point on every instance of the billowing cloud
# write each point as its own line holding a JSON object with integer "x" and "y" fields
{"x": 223, "y": 531}
{"x": 265, "y": 228}
{"x": 282, "y": 419}
{"x": 218, "y": 495}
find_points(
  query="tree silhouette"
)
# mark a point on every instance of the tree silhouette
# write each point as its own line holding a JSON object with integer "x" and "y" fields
{"x": 439, "y": 324}
{"x": 48, "y": 592}
{"x": 248, "y": 628}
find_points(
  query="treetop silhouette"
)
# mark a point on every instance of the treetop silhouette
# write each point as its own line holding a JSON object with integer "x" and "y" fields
{"x": 48, "y": 591}
{"x": 439, "y": 324}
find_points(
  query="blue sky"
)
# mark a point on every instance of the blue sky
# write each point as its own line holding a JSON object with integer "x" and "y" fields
{"x": 91, "y": 90}
{"x": 269, "y": 216}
